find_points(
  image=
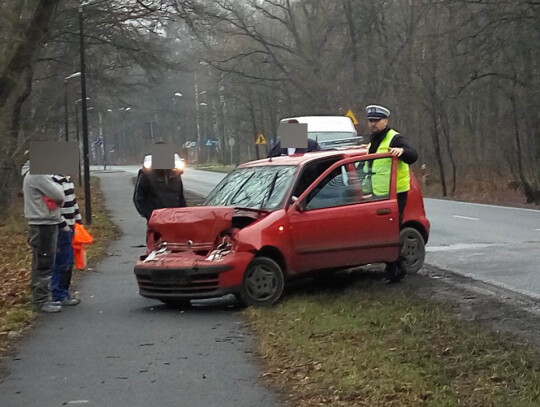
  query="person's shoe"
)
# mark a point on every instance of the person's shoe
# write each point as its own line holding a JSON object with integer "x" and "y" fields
{"x": 54, "y": 302}
{"x": 49, "y": 307}
{"x": 70, "y": 301}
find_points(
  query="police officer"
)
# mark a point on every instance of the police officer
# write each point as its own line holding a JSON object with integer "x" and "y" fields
{"x": 158, "y": 188}
{"x": 385, "y": 139}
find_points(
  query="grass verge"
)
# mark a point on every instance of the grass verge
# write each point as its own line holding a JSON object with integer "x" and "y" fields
{"x": 379, "y": 345}
{"x": 16, "y": 259}
{"x": 216, "y": 168}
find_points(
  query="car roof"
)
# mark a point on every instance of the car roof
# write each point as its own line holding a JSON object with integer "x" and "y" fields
{"x": 301, "y": 159}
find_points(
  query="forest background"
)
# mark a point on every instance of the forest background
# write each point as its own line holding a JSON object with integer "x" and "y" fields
{"x": 461, "y": 78}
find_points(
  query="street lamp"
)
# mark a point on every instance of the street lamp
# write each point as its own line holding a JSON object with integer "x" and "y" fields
{"x": 180, "y": 118}
{"x": 121, "y": 127}
{"x": 74, "y": 75}
{"x": 77, "y": 132}
{"x": 104, "y": 142}
{"x": 87, "y": 194}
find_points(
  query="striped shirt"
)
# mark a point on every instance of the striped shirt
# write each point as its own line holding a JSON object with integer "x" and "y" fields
{"x": 70, "y": 209}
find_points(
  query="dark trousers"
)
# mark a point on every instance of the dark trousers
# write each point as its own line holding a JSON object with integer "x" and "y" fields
{"x": 401, "y": 202}
{"x": 42, "y": 239}
{"x": 63, "y": 266}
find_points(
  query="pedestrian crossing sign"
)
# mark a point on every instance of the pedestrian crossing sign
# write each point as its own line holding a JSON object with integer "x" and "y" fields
{"x": 260, "y": 139}
{"x": 352, "y": 116}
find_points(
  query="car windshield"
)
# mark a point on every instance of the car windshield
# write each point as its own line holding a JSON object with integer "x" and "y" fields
{"x": 254, "y": 188}
{"x": 322, "y": 136}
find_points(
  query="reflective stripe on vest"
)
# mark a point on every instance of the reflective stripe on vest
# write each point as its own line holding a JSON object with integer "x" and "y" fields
{"x": 381, "y": 169}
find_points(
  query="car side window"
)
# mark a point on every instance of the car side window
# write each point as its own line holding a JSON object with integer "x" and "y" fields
{"x": 352, "y": 183}
{"x": 310, "y": 174}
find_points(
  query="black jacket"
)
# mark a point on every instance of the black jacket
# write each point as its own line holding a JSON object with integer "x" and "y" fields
{"x": 276, "y": 151}
{"x": 409, "y": 155}
{"x": 156, "y": 189}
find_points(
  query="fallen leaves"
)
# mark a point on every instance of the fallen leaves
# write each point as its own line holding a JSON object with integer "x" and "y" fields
{"x": 16, "y": 261}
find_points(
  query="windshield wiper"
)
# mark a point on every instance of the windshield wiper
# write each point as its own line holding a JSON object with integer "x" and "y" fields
{"x": 272, "y": 185}
{"x": 231, "y": 201}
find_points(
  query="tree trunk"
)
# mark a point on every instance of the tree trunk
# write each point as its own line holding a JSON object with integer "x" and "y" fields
{"x": 530, "y": 194}
{"x": 23, "y": 56}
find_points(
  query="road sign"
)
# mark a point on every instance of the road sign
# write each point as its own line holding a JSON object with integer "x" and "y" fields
{"x": 260, "y": 139}
{"x": 352, "y": 116}
{"x": 231, "y": 142}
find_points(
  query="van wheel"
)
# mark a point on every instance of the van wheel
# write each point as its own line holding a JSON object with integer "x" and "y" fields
{"x": 263, "y": 282}
{"x": 413, "y": 250}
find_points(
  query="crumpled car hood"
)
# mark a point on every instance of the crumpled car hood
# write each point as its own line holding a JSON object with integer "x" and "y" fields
{"x": 200, "y": 224}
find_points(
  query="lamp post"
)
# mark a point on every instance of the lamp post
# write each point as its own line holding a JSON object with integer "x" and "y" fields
{"x": 87, "y": 194}
{"x": 74, "y": 75}
{"x": 178, "y": 126}
{"x": 78, "y": 139}
{"x": 197, "y": 119}
{"x": 122, "y": 128}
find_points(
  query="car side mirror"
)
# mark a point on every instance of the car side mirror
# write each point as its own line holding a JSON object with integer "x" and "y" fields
{"x": 297, "y": 204}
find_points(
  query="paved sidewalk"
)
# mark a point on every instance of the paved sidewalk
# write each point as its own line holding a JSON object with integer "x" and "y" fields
{"x": 119, "y": 349}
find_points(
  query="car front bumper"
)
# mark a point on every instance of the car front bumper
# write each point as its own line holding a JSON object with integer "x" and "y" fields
{"x": 182, "y": 276}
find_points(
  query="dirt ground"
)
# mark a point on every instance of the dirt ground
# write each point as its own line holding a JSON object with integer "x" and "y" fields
{"x": 495, "y": 308}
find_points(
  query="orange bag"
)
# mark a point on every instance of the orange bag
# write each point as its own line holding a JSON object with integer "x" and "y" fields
{"x": 81, "y": 238}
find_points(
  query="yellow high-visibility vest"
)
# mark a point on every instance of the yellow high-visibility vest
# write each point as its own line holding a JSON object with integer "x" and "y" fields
{"x": 381, "y": 168}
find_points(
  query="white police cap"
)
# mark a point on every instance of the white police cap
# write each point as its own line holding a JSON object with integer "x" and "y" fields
{"x": 377, "y": 112}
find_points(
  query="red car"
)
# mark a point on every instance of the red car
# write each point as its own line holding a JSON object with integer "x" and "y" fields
{"x": 272, "y": 219}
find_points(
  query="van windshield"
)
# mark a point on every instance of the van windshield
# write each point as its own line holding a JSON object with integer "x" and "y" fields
{"x": 330, "y": 135}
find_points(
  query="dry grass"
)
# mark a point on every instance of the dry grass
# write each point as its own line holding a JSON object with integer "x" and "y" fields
{"x": 215, "y": 168}
{"x": 377, "y": 345}
{"x": 496, "y": 191}
{"x": 16, "y": 258}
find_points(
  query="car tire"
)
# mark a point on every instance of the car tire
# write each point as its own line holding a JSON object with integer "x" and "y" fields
{"x": 413, "y": 249}
{"x": 263, "y": 283}
{"x": 176, "y": 303}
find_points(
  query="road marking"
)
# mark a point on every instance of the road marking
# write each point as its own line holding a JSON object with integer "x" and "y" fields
{"x": 465, "y": 217}
{"x": 462, "y": 246}
{"x": 477, "y": 204}
{"x": 537, "y": 229}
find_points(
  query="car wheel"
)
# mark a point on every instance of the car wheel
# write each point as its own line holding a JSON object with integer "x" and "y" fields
{"x": 176, "y": 303}
{"x": 413, "y": 250}
{"x": 263, "y": 282}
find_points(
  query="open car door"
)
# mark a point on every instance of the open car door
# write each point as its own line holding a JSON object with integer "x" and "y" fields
{"x": 338, "y": 222}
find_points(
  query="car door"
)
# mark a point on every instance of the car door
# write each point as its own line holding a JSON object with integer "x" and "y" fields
{"x": 336, "y": 223}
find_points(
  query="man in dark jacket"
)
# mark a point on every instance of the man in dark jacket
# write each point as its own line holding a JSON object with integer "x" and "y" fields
{"x": 156, "y": 189}
{"x": 276, "y": 151}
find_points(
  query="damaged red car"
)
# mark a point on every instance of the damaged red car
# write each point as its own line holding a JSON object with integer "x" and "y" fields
{"x": 273, "y": 219}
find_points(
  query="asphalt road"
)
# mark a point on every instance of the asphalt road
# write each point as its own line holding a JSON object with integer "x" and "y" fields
{"x": 200, "y": 182}
{"x": 495, "y": 244}
{"x": 499, "y": 245}
{"x": 119, "y": 349}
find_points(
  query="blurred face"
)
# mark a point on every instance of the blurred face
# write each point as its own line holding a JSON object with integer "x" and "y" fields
{"x": 376, "y": 125}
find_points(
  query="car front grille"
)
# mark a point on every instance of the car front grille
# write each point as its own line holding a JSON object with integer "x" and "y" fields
{"x": 169, "y": 284}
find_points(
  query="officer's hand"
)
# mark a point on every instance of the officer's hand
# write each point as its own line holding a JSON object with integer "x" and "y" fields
{"x": 396, "y": 151}
{"x": 67, "y": 228}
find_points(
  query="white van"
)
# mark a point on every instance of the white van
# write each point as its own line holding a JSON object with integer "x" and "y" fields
{"x": 331, "y": 132}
